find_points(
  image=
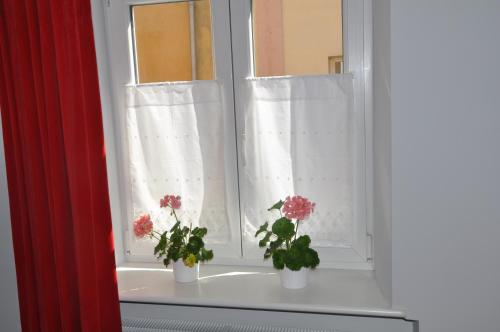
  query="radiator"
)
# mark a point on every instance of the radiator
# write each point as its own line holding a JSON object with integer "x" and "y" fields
{"x": 162, "y": 325}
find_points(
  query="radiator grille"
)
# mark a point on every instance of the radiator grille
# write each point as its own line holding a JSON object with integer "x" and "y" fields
{"x": 162, "y": 325}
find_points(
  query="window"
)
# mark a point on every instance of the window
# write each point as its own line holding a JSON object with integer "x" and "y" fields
{"x": 296, "y": 37}
{"x": 173, "y": 41}
{"x": 229, "y": 103}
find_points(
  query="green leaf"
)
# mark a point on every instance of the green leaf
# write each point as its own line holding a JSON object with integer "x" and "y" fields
{"x": 311, "y": 258}
{"x": 265, "y": 240}
{"x": 177, "y": 224}
{"x": 262, "y": 228}
{"x": 275, "y": 244}
{"x": 268, "y": 253}
{"x": 302, "y": 242}
{"x": 199, "y": 232}
{"x": 185, "y": 230}
{"x": 157, "y": 248}
{"x": 173, "y": 253}
{"x": 160, "y": 247}
{"x": 183, "y": 252}
{"x": 279, "y": 259}
{"x": 276, "y": 206}
{"x": 166, "y": 261}
{"x": 206, "y": 255}
{"x": 294, "y": 259}
{"x": 177, "y": 237}
{"x": 194, "y": 245}
{"x": 284, "y": 228}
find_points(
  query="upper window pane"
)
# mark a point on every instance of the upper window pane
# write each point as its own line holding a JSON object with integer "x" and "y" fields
{"x": 173, "y": 41}
{"x": 297, "y": 37}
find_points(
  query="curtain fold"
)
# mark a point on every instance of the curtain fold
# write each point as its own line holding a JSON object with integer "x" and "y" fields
{"x": 298, "y": 140}
{"x": 56, "y": 168}
{"x": 175, "y": 139}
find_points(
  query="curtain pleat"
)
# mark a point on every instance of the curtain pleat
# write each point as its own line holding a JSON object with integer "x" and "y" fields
{"x": 56, "y": 167}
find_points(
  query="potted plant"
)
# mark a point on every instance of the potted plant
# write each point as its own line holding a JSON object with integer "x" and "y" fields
{"x": 181, "y": 245}
{"x": 290, "y": 254}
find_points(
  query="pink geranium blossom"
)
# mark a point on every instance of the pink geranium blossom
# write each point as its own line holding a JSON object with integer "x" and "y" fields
{"x": 171, "y": 200}
{"x": 164, "y": 201}
{"x": 175, "y": 202}
{"x": 143, "y": 225}
{"x": 297, "y": 207}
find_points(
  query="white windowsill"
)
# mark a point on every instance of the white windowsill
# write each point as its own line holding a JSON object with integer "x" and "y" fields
{"x": 350, "y": 292}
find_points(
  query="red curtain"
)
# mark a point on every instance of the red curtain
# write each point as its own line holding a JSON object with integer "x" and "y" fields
{"x": 56, "y": 168}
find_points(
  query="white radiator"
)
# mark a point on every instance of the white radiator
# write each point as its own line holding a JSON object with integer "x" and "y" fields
{"x": 156, "y": 325}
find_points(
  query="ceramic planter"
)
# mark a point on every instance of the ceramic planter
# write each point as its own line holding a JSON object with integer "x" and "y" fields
{"x": 183, "y": 273}
{"x": 294, "y": 279}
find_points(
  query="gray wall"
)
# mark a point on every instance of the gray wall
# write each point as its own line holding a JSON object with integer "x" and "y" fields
{"x": 9, "y": 306}
{"x": 446, "y": 162}
{"x": 382, "y": 145}
{"x": 112, "y": 156}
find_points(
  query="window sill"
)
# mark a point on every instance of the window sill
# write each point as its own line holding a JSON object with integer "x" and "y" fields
{"x": 347, "y": 292}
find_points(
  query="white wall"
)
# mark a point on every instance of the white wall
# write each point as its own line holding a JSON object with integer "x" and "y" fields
{"x": 446, "y": 162}
{"x": 9, "y": 305}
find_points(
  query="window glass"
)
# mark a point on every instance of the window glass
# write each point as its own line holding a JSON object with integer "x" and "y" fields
{"x": 297, "y": 37}
{"x": 173, "y": 41}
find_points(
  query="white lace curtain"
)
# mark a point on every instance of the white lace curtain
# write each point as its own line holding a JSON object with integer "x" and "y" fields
{"x": 298, "y": 140}
{"x": 176, "y": 146}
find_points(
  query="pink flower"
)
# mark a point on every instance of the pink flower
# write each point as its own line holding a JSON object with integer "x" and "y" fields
{"x": 170, "y": 200}
{"x": 164, "y": 201}
{"x": 175, "y": 202}
{"x": 143, "y": 225}
{"x": 298, "y": 207}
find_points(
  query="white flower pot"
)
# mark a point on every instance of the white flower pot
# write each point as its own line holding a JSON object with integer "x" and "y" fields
{"x": 294, "y": 279}
{"x": 183, "y": 273}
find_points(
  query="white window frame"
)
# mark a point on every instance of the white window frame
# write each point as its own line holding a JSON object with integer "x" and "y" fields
{"x": 233, "y": 59}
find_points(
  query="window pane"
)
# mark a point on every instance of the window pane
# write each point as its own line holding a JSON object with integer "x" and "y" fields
{"x": 297, "y": 37}
{"x": 173, "y": 41}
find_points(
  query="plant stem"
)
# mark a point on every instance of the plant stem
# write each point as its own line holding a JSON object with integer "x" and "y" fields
{"x": 189, "y": 234}
{"x": 175, "y": 215}
{"x": 296, "y": 229}
{"x": 153, "y": 235}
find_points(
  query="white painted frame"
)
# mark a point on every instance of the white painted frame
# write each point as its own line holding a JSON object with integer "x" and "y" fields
{"x": 234, "y": 60}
